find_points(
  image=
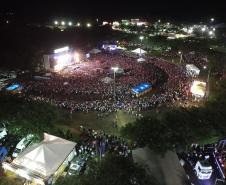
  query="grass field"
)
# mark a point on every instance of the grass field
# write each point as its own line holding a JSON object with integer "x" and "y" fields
{"x": 91, "y": 120}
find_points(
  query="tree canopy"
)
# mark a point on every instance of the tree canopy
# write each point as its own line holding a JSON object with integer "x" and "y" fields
{"x": 111, "y": 170}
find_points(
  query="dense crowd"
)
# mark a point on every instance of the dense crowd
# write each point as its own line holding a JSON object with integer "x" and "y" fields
{"x": 83, "y": 89}
{"x": 98, "y": 143}
{"x": 197, "y": 59}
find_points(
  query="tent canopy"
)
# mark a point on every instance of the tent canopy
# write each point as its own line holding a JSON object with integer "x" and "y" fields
{"x": 192, "y": 69}
{"x": 141, "y": 60}
{"x": 141, "y": 88}
{"x": 95, "y": 51}
{"x": 46, "y": 157}
{"x": 139, "y": 51}
{"x": 107, "y": 80}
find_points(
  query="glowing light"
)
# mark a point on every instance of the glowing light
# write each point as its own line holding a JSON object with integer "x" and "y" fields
{"x": 203, "y": 29}
{"x": 212, "y": 19}
{"x": 62, "y": 61}
{"x": 76, "y": 57}
{"x": 115, "y": 69}
{"x": 61, "y": 49}
{"x": 204, "y": 67}
{"x": 159, "y": 20}
{"x": 210, "y": 32}
{"x": 56, "y": 22}
{"x": 88, "y": 25}
{"x": 190, "y": 30}
{"x": 105, "y": 23}
{"x": 70, "y": 23}
{"x": 116, "y": 23}
{"x": 78, "y": 24}
{"x": 214, "y": 29}
{"x": 179, "y": 52}
{"x": 62, "y": 23}
{"x": 141, "y": 38}
{"x": 198, "y": 88}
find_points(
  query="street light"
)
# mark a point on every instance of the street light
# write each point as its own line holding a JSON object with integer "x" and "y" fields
{"x": 63, "y": 23}
{"x": 114, "y": 69}
{"x": 78, "y": 24}
{"x": 141, "y": 39}
{"x": 212, "y": 19}
{"x": 88, "y": 25}
{"x": 210, "y": 33}
{"x": 203, "y": 29}
{"x": 56, "y": 22}
{"x": 180, "y": 53}
{"x": 70, "y": 23}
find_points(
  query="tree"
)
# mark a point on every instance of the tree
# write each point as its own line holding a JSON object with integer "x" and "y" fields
{"x": 112, "y": 170}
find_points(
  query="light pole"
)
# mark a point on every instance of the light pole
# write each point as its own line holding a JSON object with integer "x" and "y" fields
{"x": 141, "y": 39}
{"x": 114, "y": 70}
{"x": 208, "y": 83}
{"x": 180, "y": 53}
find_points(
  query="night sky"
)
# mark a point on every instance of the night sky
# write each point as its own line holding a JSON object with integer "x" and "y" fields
{"x": 184, "y": 10}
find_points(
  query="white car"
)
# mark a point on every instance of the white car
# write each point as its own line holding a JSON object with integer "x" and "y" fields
{"x": 3, "y": 132}
{"x": 74, "y": 168}
{"x": 203, "y": 170}
{"x": 23, "y": 144}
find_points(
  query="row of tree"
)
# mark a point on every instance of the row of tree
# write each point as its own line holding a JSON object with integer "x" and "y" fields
{"x": 23, "y": 117}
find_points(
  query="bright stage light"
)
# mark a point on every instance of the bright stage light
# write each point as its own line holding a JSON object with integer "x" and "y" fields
{"x": 61, "y": 49}
{"x": 198, "y": 88}
{"x": 62, "y": 61}
{"x": 76, "y": 57}
{"x": 62, "y": 23}
{"x": 56, "y": 22}
{"x": 70, "y": 23}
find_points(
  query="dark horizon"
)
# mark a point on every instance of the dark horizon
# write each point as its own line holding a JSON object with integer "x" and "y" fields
{"x": 182, "y": 11}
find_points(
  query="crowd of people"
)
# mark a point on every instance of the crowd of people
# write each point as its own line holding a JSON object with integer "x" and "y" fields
{"x": 84, "y": 90}
{"x": 197, "y": 59}
{"x": 98, "y": 143}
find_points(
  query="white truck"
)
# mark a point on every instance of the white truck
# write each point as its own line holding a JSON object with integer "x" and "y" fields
{"x": 203, "y": 170}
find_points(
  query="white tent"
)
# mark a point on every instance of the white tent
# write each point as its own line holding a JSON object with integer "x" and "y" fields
{"x": 45, "y": 158}
{"x": 192, "y": 70}
{"x": 122, "y": 48}
{"x": 95, "y": 51}
{"x": 139, "y": 51}
{"x": 107, "y": 80}
{"x": 141, "y": 60}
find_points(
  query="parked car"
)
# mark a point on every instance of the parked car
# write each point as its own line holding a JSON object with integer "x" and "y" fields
{"x": 23, "y": 144}
{"x": 3, "y": 132}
